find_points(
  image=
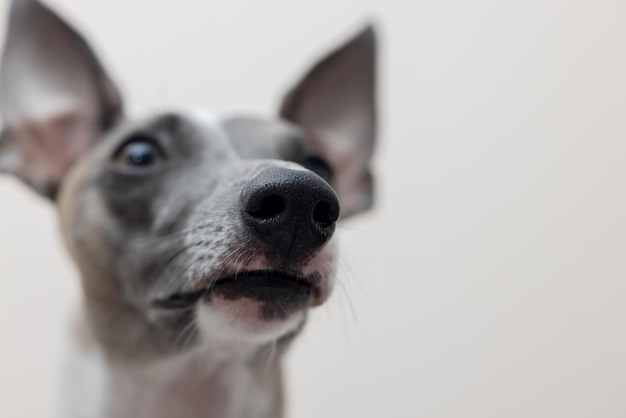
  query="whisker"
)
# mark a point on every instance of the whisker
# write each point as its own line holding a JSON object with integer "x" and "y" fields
{"x": 162, "y": 270}
{"x": 271, "y": 350}
{"x": 187, "y": 329}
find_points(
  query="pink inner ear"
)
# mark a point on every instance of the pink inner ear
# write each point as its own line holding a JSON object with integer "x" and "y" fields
{"x": 352, "y": 180}
{"x": 47, "y": 147}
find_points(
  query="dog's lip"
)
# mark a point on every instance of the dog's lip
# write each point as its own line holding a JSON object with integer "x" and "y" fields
{"x": 258, "y": 278}
{"x": 263, "y": 278}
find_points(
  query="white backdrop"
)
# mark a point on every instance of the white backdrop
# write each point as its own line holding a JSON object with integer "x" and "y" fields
{"x": 491, "y": 279}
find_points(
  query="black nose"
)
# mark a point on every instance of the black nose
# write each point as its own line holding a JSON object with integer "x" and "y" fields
{"x": 292, "y": 212}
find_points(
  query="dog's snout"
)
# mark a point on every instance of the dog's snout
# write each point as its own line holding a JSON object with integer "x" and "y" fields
{"x": 292, "y": 212}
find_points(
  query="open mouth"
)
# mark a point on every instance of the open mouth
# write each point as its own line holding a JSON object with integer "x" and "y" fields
{"x": 264, "y": 286}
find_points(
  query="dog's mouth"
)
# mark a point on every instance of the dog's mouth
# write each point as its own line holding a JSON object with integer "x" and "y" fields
{"x": 273, "y": 289}
{"x": 260, "y": 285}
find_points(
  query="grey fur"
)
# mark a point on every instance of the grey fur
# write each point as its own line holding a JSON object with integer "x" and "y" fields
{"x": 150, "y": 245}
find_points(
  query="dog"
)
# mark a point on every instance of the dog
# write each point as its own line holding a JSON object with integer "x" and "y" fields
{"x": 201, "y": 243}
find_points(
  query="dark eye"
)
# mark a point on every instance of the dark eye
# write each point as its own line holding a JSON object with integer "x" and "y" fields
{"x": 319, "y": 166}
{"x": 139, "y": 152}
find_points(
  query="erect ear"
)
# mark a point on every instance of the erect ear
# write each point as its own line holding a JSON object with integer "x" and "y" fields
{"x": 335, "y": 105}
{"x": 55, "y": 98}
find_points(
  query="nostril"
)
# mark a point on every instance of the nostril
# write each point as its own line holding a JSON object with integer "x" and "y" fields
{"x": 266, "y": 207}
{"x": 324, "y": 215}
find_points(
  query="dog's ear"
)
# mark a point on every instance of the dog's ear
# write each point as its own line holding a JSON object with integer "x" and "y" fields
{"x": 335, "y": 105}
{"x": 55, "y": 98}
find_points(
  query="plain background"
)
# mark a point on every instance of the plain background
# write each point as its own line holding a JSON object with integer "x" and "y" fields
{"x": 490, "y": 281}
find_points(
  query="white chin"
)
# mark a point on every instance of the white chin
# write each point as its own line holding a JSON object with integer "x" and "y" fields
{"x": 241, "y": 321}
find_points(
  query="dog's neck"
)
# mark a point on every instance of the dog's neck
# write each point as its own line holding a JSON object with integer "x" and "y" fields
{"x": 209, "y": 380}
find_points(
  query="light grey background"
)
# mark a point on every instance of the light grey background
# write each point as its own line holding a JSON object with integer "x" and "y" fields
{"x": 489, "y": 282}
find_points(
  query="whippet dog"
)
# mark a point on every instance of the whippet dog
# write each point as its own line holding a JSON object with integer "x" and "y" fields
{"x": 201, "y": 243}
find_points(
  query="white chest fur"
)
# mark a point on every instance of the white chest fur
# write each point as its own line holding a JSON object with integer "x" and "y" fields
{"x": 197, "y": 384}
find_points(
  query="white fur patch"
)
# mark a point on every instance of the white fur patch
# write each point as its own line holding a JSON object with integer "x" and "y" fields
{"x": 238, "y": 323}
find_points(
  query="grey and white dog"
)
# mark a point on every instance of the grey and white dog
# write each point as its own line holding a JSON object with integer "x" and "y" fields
{"x": 201, "y": 243}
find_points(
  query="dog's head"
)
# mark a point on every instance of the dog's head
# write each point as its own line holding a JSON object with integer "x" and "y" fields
{"x": 181, "y": 218}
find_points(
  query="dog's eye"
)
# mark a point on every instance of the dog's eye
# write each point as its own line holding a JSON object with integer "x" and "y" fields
{"x": 319, "y": 166}
{"x": 139, "y": 152}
